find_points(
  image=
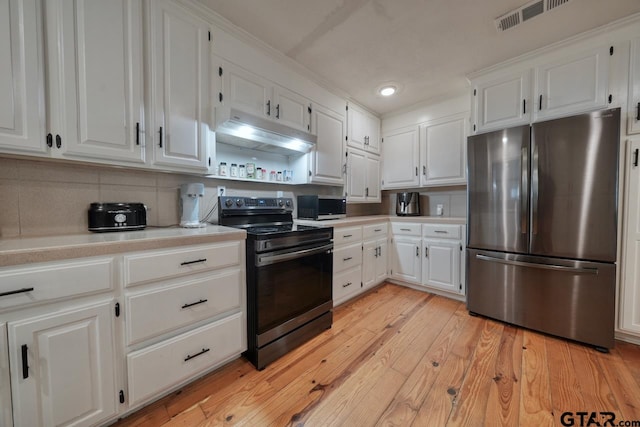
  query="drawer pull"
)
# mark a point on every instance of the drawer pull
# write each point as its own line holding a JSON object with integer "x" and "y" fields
{"x": 441, "y": 231}
{"x": 405, "y": 229}
{"x": 347, "y": 258}
{"x": 25, "y": 362}
{"x": 189, "y": 357}
{"x": 347, "y": 284}
{"x": 17, "y": 291}
{"x": 194, "y": 262}
{"x": 377, "y": 230}
{"x": 347, "y": 235}
{"x": 202, "y": 301}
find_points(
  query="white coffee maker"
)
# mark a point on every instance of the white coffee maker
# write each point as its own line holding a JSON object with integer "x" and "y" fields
{"x": 190, "y": 195}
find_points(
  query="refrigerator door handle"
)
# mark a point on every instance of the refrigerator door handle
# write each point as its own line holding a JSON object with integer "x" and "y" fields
{"x": 577, "y": 270}
{"x": 524, "y": 188}
{"x": 534, "y": 190}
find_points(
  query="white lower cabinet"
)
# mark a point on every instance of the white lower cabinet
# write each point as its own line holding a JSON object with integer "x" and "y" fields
{"x": 346, "y": 284}
{"x": 374, "y": 254}
{"x": 347, "y": 263}
{"x": 63, "y": 367}
{"x": 441, "y": 265}
{"x": 630, "y": 287}
{"x": 6, "y": 419}
{"x": 406, "y": 258}
{"x": 157, "y": 368}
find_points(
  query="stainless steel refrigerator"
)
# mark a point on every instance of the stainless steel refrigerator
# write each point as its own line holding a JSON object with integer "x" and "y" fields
{"x": 542, "y": 226}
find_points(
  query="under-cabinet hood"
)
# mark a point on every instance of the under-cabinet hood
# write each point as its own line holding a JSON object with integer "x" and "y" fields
{"x": 246, "y": 130}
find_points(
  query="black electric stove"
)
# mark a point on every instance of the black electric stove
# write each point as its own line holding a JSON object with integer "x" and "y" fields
{"x": 289, "y": 275}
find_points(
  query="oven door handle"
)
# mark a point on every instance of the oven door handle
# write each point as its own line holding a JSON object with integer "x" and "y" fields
{"x": 267, "y": 259}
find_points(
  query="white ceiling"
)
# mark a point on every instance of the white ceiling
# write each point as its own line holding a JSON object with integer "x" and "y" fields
{"x": 425, "y": 46}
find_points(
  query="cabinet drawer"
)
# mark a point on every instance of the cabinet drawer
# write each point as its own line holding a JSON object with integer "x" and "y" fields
{"x": 45, "y": 282}
{"x": 149, "y": 266}
{"x": 405, "y": 228}
{"x": 442, "y": 231}
{"x": 155, "y": 369}
{"x": 347, "y": 257}
{"x": 162, "y": 310}
{"x": 374, "y": 231}
{"x": 346, "y": 235}
{"x": 346, "y": 283}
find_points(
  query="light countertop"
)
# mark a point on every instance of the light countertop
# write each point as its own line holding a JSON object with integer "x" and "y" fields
{"x": 51, "y": 248}
{"x": 371, "y": 219}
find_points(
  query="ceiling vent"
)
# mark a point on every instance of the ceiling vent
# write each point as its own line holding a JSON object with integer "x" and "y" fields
{"x": 526, "y": 12}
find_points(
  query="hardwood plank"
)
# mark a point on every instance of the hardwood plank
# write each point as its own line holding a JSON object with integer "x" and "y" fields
{"x": 405, "y": 405}
{"x": 479, "y": 378}
{"x": 150, "y": 416}
{"x": 187, "y": 418}
{"x": 535, "y": 392}
{"x": 563, "y": 378}
{"x": 625, "y": 389}
{"x": 631, "y": 356}
{"x": 441, "y": 398}
{"x": 504, "y": 399}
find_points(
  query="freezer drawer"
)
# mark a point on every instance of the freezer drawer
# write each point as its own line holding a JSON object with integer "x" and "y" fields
{"x": 567, "y": 298}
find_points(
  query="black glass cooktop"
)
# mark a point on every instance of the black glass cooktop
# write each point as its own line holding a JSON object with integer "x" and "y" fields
{"x": 278, "y": 229}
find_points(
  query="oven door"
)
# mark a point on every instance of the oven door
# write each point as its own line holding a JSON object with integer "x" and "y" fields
{"x": 292, "y": 287}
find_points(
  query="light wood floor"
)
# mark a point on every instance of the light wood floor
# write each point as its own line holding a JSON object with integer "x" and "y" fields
{"x": 401, "y": 357}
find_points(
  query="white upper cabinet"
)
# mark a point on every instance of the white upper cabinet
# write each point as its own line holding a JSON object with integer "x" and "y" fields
{"x": 251, "y": 93}
{"x": 363, "y": 129}
{"x": 443, "y": 152}
{"x": 326, "y": 160}
{"x": 21, "y": 78}
{"x": 95, "y": 79}
{"x": 502, "y": 101}
{"x": 633, "y": 124}
{"x": 363, "y": 177}
{"x": 400, "y": 157}
{"x": 180, "y": 75}
{"x": 572, "y": 84}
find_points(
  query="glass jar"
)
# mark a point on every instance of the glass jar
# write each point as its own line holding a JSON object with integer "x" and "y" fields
{"x": 258, "y": 173}
{"x": 242, "y": 171}
{"x": 272, "y": 176}
{"x": 251, "y": 170}
{"x": 234, "y": 170}
{"x": 223, "y": 169}
{"x": 279, "y": 177}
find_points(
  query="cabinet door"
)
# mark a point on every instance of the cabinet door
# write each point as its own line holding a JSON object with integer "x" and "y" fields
{"x": 327, "y": 156}
{"x": 372, "y": 190}
{"x": 572, "y": 84}
{"x": 181, "y": 57}
{"x": 21, "y": 77}
{"x": 245, "y": 91}
{"x": 373, "y": 134}
{"x": 634, "y": 88}
{"x": 502, "y": 102}
{"x": 382, "y": 261}
{"x": 369, "y": 263}
{"x": 62, "y": 367}
{"x": 95, "y": 78}
{"x": 291, "y": 109}
{"x": 630, "y": 293}
{"x": 441, "y": 265}
{"x": 356, "y": 175}
{"x": 357, "y": 127}
{"x": 5, "y": 387}
{"x": 400, "y": 159}
{"x": 443, "y": 153}
{"x": 405, "y": 264}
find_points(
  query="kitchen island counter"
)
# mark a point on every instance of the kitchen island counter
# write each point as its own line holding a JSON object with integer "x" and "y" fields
{"x": 26, "y": 250}
{"x": 371, "y": 219}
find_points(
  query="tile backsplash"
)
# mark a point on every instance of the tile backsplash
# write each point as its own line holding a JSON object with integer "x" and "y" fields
{"x": 453, "y": 200}
{"x": 44, "y": 197}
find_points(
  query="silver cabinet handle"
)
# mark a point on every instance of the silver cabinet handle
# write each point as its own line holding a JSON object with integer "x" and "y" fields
{"x": 405, "y": 229}
{"x": 536, "y": 265}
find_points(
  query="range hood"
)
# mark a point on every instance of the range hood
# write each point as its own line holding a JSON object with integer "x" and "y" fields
{"x": 235, "y": 127}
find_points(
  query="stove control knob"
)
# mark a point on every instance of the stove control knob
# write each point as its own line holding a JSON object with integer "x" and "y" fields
{"x": 280, "y": 203}
{"x": 239, "y": 202}
{"x": 228, "y": 203}
{"x": 288, "y": 203}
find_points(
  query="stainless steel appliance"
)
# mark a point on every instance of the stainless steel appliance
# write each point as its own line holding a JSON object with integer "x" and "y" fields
{"x": 289, "y": 275}
{"x": 321, "y": 207}
{"x": 117, "y": 216}
{"x": 542, "y": 226}
{"x": 408, "y": 204}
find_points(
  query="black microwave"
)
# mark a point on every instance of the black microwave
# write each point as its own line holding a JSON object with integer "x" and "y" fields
{"x": 321, "y": 207}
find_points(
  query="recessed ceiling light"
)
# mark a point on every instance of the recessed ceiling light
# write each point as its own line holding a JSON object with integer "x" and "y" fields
{"x": 387, "y": 90}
